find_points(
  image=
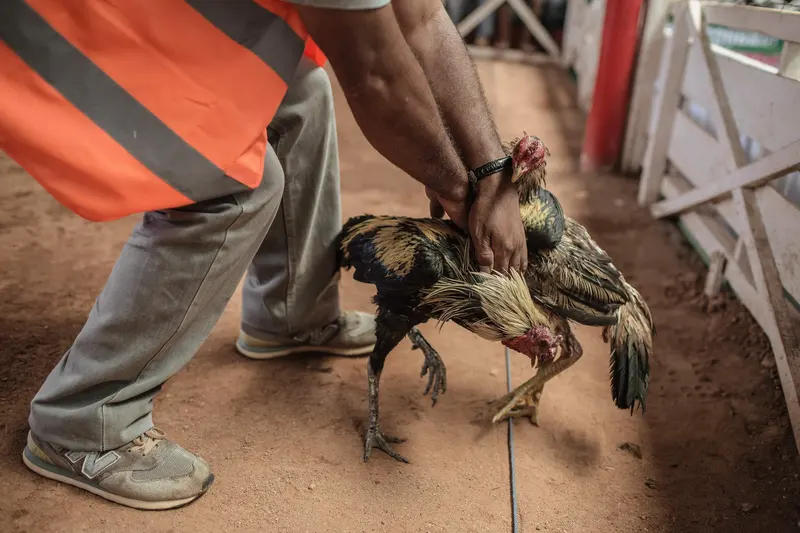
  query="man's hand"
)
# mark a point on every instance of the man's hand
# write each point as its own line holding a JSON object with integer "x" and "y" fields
{"x": 493, "y": 222}
{"x": 458, "y": 211}
{"x": 495, "y": 226}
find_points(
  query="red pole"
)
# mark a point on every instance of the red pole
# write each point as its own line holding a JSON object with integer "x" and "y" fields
{"x": 605, "y": 125}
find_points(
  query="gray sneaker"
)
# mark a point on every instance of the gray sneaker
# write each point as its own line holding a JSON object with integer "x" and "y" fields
{"x": 149, "y": 473}
{"x": 352, "y": 334}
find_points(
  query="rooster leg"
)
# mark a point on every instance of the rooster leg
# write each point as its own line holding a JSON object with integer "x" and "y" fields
{"x": 527, "y": 406}
{"x": 437, "y": 378}
{"x": 524, "y": 400}
{"x": 390, "y": 330}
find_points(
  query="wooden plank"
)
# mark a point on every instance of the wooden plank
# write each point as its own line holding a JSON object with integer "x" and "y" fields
{"x": 790, "y": 61}
{"x": 724, "y": 242}
{"x": 728, "y": 135}
{"x": 782, "y": 220}
{"x": 758, "y": 173}
{"x": 711, "y": 237}
{"x": 785, "y": 344}
{"x": 648, "y": 68}
{"x": 715, "y": 275}
{"x": 695, "y": 153}
{"x": 765, "y": 106}
{"x": 666, "y": 106}
{"x": 741, "y": 260}
{"x": 571, "y": 17}
{"x": 698, "y": 158}
{"x": 535, "y": 27}
{"x": 778, "y": 23}
{"x": 587, "y": 45}
{"x": 509, "y": 54}
{"x": 471, "y": 21}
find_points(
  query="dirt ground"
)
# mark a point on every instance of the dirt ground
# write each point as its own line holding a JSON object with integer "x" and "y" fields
{"x": 714, "y": 451}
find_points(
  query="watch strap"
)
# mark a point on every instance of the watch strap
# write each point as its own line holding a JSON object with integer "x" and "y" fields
{"x": 492, "y": 167}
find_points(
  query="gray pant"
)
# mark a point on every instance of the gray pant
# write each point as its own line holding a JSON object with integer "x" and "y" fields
{"x": 180, "y": 268}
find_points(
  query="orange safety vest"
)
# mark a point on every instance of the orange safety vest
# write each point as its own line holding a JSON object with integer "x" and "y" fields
{"x": 123, "y": 106}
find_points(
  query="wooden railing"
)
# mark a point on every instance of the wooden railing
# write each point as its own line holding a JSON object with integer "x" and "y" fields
{"x": 583, "y": 33}
{"x": 747, "y": 229}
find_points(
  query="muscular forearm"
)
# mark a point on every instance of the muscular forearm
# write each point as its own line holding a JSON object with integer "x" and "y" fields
{"x": 390, "y": 97}
{"x": 407, "y": 130}
{"x": 453, "y": 78}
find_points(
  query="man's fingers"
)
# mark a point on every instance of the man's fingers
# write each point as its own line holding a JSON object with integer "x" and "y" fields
{"x": 502, "y": 261}
{"x": 502, "y": 256}
{"x": 519, "y": 261}
{"x": 484, "y": 256}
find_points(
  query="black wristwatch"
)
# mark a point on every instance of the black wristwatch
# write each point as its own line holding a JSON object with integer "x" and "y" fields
{"x": 492, "y": 167}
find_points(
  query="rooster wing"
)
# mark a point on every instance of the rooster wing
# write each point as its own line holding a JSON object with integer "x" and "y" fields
{"x": 567, "y": 271}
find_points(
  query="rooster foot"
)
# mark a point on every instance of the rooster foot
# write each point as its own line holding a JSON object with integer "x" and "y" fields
{"x": 433, "y": 365}
{"x": 525, "y": 406}
{"x": 375, "y": 438}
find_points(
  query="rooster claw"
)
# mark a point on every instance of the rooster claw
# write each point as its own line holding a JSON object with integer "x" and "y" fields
{"x": 433, "y": 366}
{"x": 378, "y": 440}
{"x": 525, "y": 406}
{"x": 437, "y": 378}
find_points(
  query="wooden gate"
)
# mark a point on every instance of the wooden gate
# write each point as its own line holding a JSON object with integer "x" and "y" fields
{"x": 727, "y": 201}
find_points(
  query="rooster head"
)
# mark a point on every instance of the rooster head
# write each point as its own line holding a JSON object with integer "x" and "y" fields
{"x": 538, "y": 343}
{"x": 529, "y": 160}
{"x": 497, "y": 307}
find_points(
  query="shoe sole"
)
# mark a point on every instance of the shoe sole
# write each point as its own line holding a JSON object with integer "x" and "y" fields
{"x": 57, "y": 474}
{"x": 269, "y": 353}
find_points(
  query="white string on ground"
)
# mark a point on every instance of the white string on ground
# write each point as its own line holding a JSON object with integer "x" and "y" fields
{"x": 512, "y": 472}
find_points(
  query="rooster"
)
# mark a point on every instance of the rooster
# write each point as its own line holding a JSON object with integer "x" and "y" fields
{"x": 423, "y": 269}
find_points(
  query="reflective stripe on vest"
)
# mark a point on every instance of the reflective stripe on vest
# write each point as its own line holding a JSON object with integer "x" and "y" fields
{"x": 123, "y": 106}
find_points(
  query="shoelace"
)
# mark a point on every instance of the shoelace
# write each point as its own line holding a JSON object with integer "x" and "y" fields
{"x": 320, "y": 336}
{"x": 148, "y": 440}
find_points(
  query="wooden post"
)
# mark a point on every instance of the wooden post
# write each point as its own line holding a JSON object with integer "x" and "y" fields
{"x": 605, "y": 125}
{"x": 664, "y": 109}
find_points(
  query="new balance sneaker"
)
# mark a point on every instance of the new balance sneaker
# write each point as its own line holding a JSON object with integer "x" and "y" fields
{"x": 353, "y": 334}
{"x": 149, "y": 473}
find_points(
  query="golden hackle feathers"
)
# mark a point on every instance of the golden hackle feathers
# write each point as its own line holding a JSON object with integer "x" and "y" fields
{"x": 493, "y": 306}
{"x": 534, "y": 215}
{"x": 392, "y": 246}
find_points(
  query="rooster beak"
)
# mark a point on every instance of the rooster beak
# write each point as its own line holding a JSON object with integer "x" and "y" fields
{"x": 518, "y": 173}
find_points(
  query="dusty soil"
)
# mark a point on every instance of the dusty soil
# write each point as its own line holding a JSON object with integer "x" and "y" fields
{"x": 714, "y": 451}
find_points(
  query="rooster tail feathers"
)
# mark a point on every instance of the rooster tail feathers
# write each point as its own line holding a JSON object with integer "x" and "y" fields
{"x": 631, "y": 340}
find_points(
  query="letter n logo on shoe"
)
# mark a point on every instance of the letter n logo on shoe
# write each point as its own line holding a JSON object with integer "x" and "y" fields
{"x": 93, "y": 462}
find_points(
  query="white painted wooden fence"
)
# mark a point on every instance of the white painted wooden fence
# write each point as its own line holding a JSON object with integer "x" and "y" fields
{"x": 726, "y": 198}
{"x": 528, "y": 18}
{"x": 583, "y": 33}
{"x": 651, "y": 46}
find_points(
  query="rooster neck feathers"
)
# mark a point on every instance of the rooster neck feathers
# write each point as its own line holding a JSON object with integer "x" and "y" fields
{"x": 495, "y": 307}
